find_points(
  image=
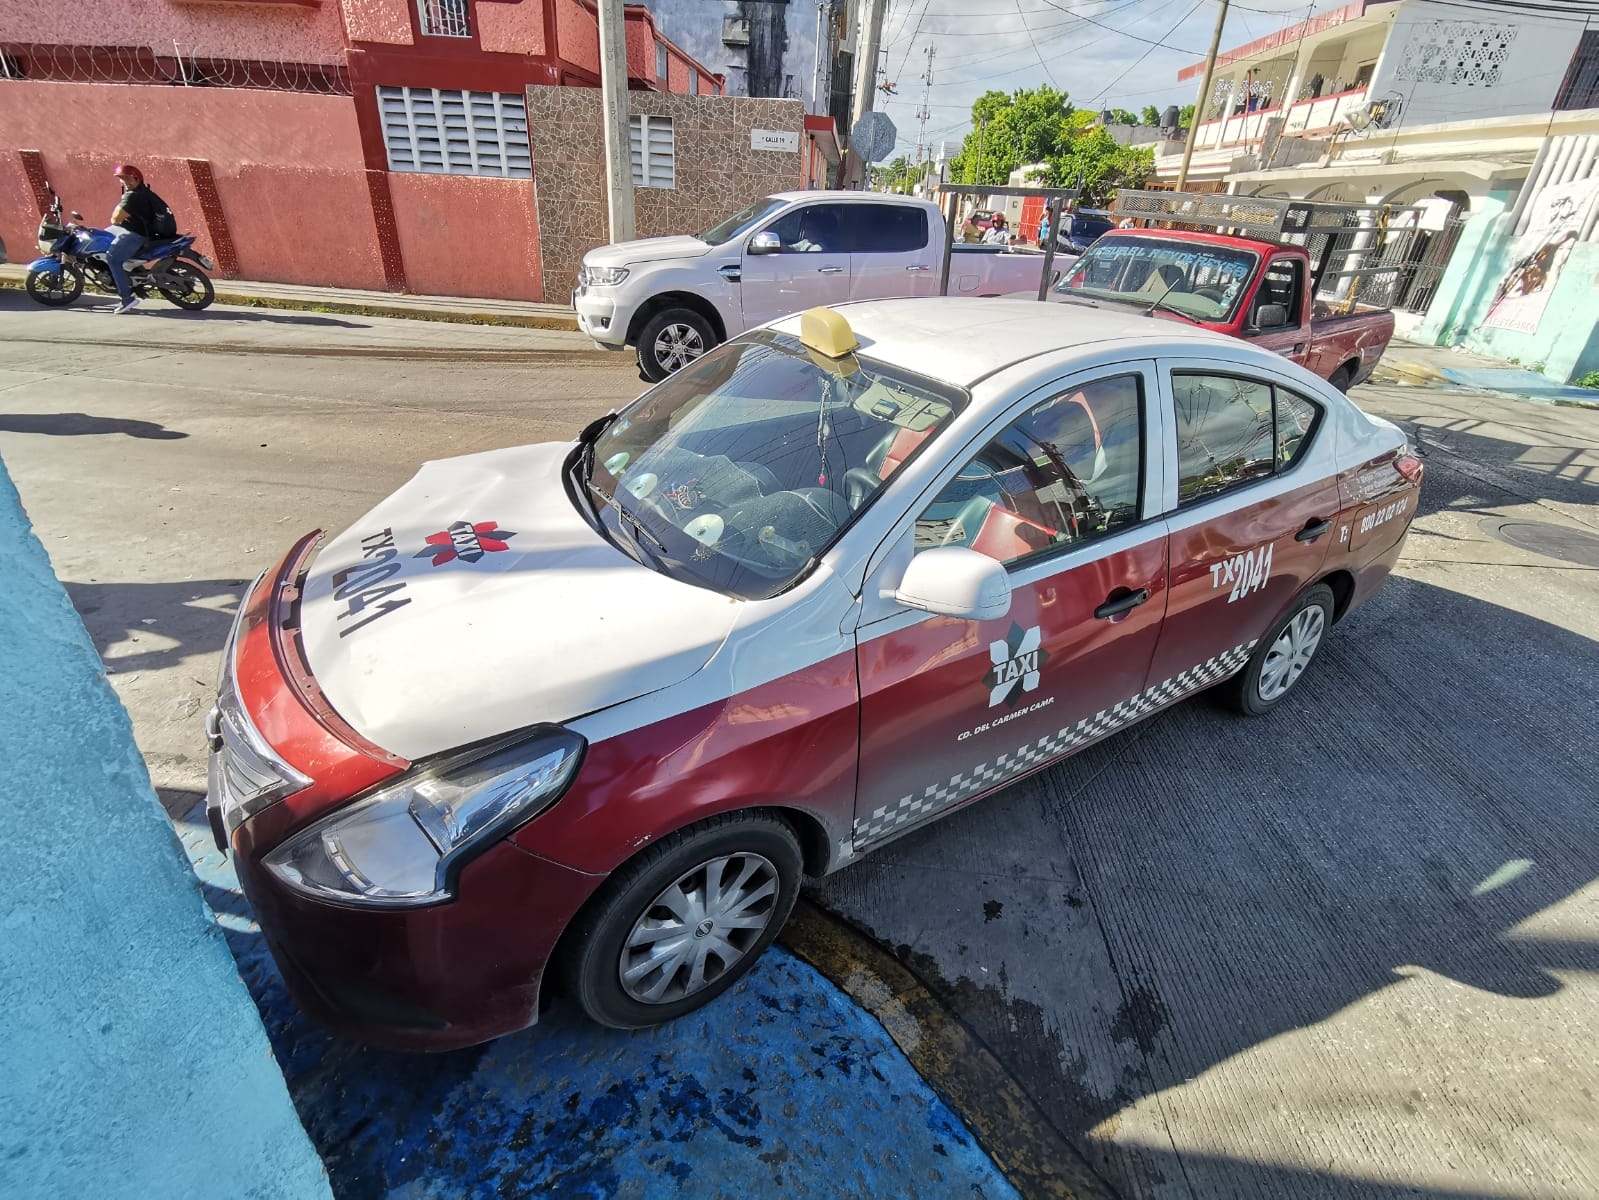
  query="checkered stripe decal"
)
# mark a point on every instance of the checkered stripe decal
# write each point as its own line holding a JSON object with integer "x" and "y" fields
{"x": 1008, "y": 765}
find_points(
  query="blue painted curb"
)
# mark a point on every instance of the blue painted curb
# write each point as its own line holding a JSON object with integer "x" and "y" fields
{"x": 783, "y": 1087}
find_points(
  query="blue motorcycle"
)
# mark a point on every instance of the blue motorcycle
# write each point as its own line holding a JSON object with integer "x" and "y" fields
{"x": 75, "y": 257}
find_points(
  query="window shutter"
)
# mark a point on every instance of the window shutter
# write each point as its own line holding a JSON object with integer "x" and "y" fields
{"x": 455, "y": 132}
{"x": 653, "y": 151}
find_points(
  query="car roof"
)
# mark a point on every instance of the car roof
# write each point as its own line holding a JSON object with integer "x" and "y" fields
{"x": 853, "y": 197}
{"x": 1205, "y": 237}
{"x": 964, "y": 339}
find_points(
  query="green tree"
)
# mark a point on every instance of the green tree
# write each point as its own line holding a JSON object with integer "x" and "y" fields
{"x": 1026, "y": 126}
{"x": 1039, "y": 125}
{"x": 1120, "y": 116}
{"x": 1151, "y": 115}
{"x": 1185, "y": 116}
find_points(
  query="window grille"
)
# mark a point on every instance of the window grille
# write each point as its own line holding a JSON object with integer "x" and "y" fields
{"x": 444, "y": 18}
{"x": 1457, "y": 53}
{"x": 455, "y": 133}
{"x": 654, "y": 151}
{"x": 1580, "y": 89}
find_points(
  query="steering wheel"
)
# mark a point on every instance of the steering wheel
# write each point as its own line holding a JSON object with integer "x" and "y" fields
{"x": 859, "y": 484}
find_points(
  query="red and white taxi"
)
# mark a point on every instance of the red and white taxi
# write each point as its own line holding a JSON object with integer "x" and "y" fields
{"x": 596, "y": 708}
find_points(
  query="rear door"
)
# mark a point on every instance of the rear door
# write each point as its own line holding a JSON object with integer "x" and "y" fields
{"x": 1255, "y": 495}
{"x": 1282, "y": 283}
{"x": 812, "y": 267}
{"x": 1064, "y": 493}
{"x": 891, "y": 254}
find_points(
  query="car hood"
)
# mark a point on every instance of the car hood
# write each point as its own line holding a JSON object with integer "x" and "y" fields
{"x": 623, "y": 254}
{"x": 476, "y": 600}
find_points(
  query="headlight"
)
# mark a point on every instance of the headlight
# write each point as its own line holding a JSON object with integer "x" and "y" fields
{"x": 601, "y": 276}
{"x": 246, "y": 774}
{"x": 404, "y": 844}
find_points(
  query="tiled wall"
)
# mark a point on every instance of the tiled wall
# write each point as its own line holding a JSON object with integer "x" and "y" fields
{"x": 717, "y": 171}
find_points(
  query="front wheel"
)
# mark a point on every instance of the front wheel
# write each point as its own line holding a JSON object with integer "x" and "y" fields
{"x": 670, "y": 340}
{"x": 1282, "y": 655}
{"x": 681, "y": 923}
{"x": 186, "y": 286}
{"x": 55, "y": 286}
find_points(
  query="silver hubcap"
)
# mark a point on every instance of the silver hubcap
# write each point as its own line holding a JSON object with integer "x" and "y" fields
{"x": 696, "y": 930}
{"x": 1291, "y": 653}
{"x": 677, "y": 346}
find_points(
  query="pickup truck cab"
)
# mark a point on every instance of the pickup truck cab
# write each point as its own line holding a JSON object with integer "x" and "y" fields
{"x": 1257, "y": 290}
{"x": 674, "y": 298}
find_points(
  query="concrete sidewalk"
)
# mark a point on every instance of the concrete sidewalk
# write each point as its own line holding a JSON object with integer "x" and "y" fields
{"x": 459, "y": 309}
{"x": 1420, "y": 365}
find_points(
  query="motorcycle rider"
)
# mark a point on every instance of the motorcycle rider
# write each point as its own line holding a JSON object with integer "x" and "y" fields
{"x": 140, "y": 217}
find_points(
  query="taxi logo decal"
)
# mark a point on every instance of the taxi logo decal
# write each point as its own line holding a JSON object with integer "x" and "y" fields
{"x": 985, "y": 776}
{"x": 1017, "y": 661}
{"x": 465, "y": 540}
{"x": 1244, "y": 573}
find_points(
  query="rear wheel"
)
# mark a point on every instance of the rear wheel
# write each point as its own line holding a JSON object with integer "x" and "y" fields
{"x": 56, "y": 286}
{"x": 1342, "y": 378}
{"x": 670, "y": 340}
{"x": 681, "y": 923}
{"x": 1282, "y": 656}
{"x": 185, "y": 286}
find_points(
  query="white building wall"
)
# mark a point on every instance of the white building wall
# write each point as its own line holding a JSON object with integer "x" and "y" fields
{"x": 1449, "y": 63}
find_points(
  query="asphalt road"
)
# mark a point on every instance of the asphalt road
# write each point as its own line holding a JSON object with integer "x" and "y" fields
{"x": 1345, "y": 950}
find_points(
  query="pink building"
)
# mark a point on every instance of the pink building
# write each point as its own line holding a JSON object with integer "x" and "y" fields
{"x": 361, "y": 143}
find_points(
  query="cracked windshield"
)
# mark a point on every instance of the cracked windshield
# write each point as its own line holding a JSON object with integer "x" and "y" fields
{"x": 741, "y": 469}
{"x": 1198, "y": 282}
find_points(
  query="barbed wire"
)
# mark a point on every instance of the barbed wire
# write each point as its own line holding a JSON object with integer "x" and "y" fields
{"x": 146, "y": 65}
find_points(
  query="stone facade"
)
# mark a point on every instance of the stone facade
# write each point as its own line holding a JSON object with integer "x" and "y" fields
{"x": 717, "y": 171}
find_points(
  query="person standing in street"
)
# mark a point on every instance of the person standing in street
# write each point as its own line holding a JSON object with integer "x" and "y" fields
{"x": 1043, "y": 230}
{"x": 140, "y": 217}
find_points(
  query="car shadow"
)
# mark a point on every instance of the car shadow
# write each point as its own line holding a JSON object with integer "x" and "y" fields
{"x": 1193, "y": 890}
{"x": 77, "y": 424}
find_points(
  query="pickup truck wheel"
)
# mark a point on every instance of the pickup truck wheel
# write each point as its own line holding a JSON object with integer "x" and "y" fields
{"x": 670, "y": 340}
{"x": 1342, "y": 378}
{"x": 683, "y": 921}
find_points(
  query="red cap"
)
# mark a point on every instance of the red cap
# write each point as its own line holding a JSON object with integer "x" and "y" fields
{"x": 128, "y": 171}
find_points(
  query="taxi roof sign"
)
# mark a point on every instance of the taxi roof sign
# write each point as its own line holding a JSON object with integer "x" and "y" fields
{"x": 827, "y": 333}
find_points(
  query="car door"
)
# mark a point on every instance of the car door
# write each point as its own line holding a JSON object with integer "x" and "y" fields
{"x": 1255, "y": 496}
{"x": 1282, "y": 283}
{"x": 890, "y": 254}
{"x": 811, "y": 265}
{"x": 1064, "y": 492}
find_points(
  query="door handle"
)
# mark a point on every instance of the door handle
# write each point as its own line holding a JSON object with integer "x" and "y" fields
{"x": 828, "y": 270}
{"x": 1313, "y": 529}
{"x": 1299, "y": 348}
{"x": 1115, "y": 604}
{"x": 918, "y": 268}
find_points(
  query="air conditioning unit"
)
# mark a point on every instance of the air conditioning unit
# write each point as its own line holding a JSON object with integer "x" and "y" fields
{"x": 1374, "y": 114}
{"x": 735, "y": 31}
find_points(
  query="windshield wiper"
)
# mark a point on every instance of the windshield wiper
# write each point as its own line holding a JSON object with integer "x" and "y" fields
{"x": 1159, "y": 302}
{"x": 638, "y": 528}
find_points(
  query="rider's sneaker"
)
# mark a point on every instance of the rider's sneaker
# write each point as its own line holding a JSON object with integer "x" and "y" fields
{"x": 126, "y": 306}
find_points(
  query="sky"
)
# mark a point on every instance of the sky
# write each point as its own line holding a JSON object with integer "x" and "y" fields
{"x": 1098, "y": 51}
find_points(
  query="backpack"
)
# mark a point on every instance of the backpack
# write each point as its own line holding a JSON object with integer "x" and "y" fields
{"x": 165, "y": 225}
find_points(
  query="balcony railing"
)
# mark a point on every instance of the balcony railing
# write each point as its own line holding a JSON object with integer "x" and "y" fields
{"x": 1247, "y": 130}
{"x": 444, "y": 18}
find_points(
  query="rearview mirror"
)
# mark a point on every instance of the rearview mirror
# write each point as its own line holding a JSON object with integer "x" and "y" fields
{"x": 1271, "y": 316}
{"x": 765, "y": 242}
{"x": 955, "y": 582}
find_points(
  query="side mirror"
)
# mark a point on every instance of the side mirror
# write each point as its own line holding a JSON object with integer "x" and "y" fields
{"x": 955, "y": 582}
{"x": 765, "y": 242}
{"x": 1271, "y": 316}
{"x": 75, "y": 215}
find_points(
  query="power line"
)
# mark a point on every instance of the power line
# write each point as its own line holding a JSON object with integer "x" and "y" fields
{"x": 1104, "y": 91}
{"x": 1050, "y": 75}
{"x": 1123, "y": 32}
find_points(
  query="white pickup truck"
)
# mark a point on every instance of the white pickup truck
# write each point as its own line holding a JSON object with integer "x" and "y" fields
{"x": 676, "y": 297}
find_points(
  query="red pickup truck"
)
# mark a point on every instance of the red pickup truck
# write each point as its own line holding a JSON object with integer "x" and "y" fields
{"x": 1259, "y": 290}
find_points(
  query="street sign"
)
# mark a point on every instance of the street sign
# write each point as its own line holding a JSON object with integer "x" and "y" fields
{"x": 873, "y": 137}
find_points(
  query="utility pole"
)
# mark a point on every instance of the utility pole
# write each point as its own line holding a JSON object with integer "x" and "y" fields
{"x": 1204, "y": 96}
{"x": 613, "y": 90}
{"x": 866, "y": 70}
{"x": 924, "y": 111}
